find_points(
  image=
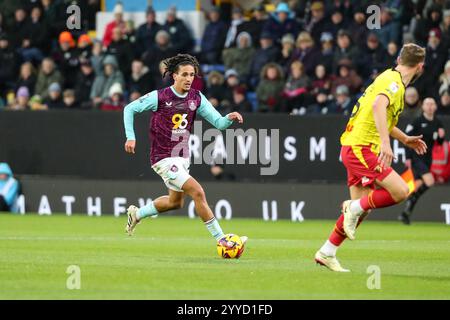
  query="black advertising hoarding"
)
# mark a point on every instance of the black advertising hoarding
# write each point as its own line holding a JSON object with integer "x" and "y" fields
{"x": 90, "y": 145}
{"x": 268, "y": 201}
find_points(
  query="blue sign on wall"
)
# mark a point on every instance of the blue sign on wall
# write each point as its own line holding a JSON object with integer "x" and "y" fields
{"x": 158, "y": 5}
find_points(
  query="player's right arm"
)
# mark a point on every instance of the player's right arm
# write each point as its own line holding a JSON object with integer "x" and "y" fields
{"x": 380, "y": 117}
{"x": 144, "y": 103}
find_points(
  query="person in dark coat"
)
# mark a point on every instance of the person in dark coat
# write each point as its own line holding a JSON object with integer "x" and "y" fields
{"x": 145, "y": 34}
{"x": 318, "y": 22}
{"x": 213, "y": 39}
{"x": 83, "y": 86}
{"x": 180, "y": 35}
{"x": 9, "y": 62}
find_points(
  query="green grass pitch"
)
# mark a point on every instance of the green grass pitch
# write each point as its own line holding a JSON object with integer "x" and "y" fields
{"x": 175, "y": 258}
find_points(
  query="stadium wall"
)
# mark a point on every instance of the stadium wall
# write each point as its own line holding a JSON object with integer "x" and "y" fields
{"x": 90, "y": 145}
{"x": 268, "y": 201}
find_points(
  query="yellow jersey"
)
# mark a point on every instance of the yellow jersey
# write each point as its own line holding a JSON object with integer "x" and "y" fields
{"x": 361, "y": 129}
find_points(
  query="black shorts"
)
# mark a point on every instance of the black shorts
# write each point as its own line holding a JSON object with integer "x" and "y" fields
{"x": 420, "y": 167}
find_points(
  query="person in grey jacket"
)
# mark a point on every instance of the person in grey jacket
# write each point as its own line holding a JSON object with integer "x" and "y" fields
{"x": 104, "y": 81}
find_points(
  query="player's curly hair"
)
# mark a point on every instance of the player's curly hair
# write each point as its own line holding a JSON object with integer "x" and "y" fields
{"x": 172, "y": 64}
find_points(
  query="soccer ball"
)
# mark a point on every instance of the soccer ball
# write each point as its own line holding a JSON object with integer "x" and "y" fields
{"x": 230, "y": 246}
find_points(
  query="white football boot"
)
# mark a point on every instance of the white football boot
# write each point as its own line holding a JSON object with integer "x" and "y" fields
{"x": 350, "y": 220}
{"x": 132, "y": 219}
{"x": 329, "y": 261}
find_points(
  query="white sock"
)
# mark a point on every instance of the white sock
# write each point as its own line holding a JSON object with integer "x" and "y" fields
{"x": 329, "y": 249}
{"x": 355, "y": 207}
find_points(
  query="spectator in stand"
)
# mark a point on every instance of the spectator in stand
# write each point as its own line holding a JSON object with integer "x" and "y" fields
{"x": 281, "y": 22}
{"x": 180, "y": 35}
{"x": 338, "y": 22}
{"x": 69, "y": 99}
{"x": 240, "y": 102}
{"x": 327, "y": 50}
{"x": 445, "y": 28}
{"x": 213, "y": 39}
{"x": 444, "y": 78}
{"x": 346, "y": 75}
{"x": 231, "y": 82}
{"x": 270, "y": 88}
{"x": 163, "y": 50}
{"x": 373, "y": 55}
{"x": 237, "y": 18}
{"x": 46, "y": 76}
{"x": 215, "y": 88}
{"x": 265, "y": 54}
{"x": 54, "y": 99}
{"x": 296, "y": 89}
{"x": 145, "y": 35}
{"x": 83, "y": 85}
{"x": 306, "y": 52}
{"x": 115, "y": 101}
{"x": 255, "y": 25}
{"x": 425, "y": 25}
{"x": 321, "y": 80}
{"x": 84, "y": 50}
{"x": 27, "y": 77}
{"x": 121, "y": 48}
{"x": 240, "y": 57}
{"x": 9, "y": 62}
{"x": 97, "y": 56}
{"x": 413, "y": 105}
{"x": 320, "y": 106}
{"x": 344, "y": 49}
{"x": 436, "y": 57}
{"x": 22, "y": 100}
{"x": 141, "y": 80}
{"x": 392, "y": 51}
{"x": 318, "y": 22}
{"x": 444, "y": 103}
{"x": 9, "y": 189}
{"x": 287, "y": 49}
{"x": 389, "y": 31}
{"x": 343, "y": 103}
{"x": 104, "y": 81}
{"x": 20, "y": 30}
{"x": 118, "y": 22}
{"x": 359, "y": 27}
{"x": 160, "y": 80}
{"x": 66, "y": 57}
{"x": 39, "y": 33}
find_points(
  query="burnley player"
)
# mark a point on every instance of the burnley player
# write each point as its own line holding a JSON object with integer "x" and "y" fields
{"x": 367, "y": 154}
{"x": 174, "y": 110}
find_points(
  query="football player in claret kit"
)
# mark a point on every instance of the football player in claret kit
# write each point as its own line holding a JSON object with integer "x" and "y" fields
{"x": 367, "y": 154}
{"x": 174, "y": 110}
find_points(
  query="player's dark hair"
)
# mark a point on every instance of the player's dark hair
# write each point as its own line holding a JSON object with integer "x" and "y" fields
{"x": 172, "y": 64}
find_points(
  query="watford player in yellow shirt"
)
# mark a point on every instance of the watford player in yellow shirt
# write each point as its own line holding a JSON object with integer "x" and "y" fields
{"x": 367, "y": 154}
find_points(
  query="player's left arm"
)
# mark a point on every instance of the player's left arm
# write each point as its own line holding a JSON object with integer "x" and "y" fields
{"x": 210, "y": 114}
{"x": 414, "y": 142}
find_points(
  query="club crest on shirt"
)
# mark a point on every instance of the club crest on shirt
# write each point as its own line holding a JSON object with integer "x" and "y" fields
{"x": 168, "y": 104}
{"x": 192, "y": 105}
{"x": 394, "y": 87}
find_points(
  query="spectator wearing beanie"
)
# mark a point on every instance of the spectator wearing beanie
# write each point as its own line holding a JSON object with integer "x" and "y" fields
{"x": 344, "y": 49}
{"x": 318, "y": 21}
{"x": 425, "y": 25}
{"x": 84, "y": 50}
{"x": 268, "y": 52}
{"x": 103, "y": 81}
{"x": 115, "y": 101}
{"x": 282, "y": 22}
{"x": 215, "y": 89}
{"x": 327, "y": 51}
{"x": 287, "y": 49}
{"x": 145, "y": 35}
{"x": 118, "y": 22}
{"x": 22, "y": 99}
{"x": 54, "y": 99}
{"x": 240, "y": 57}
{"x": 66, "y": 58}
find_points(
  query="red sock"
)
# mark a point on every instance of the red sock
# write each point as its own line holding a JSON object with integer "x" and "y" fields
{"x": 338, "y": 235}
{"x": 377, "y": 199}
